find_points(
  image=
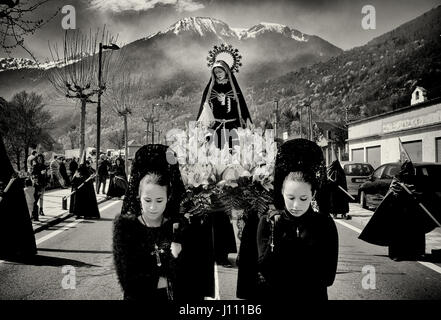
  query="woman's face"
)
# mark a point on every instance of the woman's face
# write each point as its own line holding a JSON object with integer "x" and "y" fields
{"x": 153, "y": 200}
{"x": 219, "y": 73}
{"x": 297, "y": 196}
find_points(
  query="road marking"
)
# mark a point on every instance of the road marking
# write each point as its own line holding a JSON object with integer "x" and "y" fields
{"x": 432, "y": 266}
{"x": 347, "y": 225}
{"x": 66, "y": 227}
{"x": 70, "y": 225}
{"x": 53, "y": 234}
{"x": 429, "y": 265}
{"x": 216, "y": 284}
{"x": 109, "y": 205}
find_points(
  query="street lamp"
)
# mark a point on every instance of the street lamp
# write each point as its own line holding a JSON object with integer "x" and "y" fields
{"x": 112, "y": 46}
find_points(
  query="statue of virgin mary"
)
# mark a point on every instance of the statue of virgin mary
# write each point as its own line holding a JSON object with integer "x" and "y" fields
{"x": 223, "y": 105}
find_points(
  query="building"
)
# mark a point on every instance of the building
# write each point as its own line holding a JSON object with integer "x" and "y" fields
{"x": 375, "y": 139}
{"x": 332, "y": 141}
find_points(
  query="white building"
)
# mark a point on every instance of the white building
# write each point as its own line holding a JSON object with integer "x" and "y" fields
{"x": 375, "y": 139}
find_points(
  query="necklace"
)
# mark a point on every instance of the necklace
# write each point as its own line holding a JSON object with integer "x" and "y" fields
{"x": 145, "y": 223}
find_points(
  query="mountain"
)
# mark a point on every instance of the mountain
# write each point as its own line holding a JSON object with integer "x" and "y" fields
{"x": 367, "y": 80}
{"x": 278, "y": 63}
{"x": 268, "y": 48}
{"x": 173, "y": 61}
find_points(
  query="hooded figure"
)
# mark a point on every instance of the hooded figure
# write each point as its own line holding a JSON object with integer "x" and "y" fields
{"x": 146, "y": 266}
{"x": 224, "y": 101}
{"x": 83, "y": 202}
{"x": 118, "y": 179}
{"x": 399, "y": 222}
{"x": 338, "y": 201}
{"x": 17, "y": 238}
{"x": 297, "y": 244}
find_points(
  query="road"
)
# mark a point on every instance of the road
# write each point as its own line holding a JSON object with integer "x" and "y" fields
{"x": 75, "y": 263}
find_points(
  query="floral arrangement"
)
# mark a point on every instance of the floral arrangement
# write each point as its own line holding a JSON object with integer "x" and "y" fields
{"x": 238, "y": 179}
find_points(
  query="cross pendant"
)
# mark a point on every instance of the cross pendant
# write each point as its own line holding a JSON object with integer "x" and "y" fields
{"x": 221, "y": 98}
{"x": 156, "y": 252}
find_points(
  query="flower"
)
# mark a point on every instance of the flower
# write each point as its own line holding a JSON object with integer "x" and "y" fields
{"x": 239, "y": 179}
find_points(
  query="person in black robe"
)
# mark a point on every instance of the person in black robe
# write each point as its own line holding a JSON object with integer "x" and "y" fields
{"x": 63, "y": 172}
{"x": 83, "y": 202}
{"x": 17, "y": 240}
{"x": 40, "y": 177}
{"x": 143, "y": 227}
{"x": 297, "y": 248}
{"x": 118, "y": 179}
{"x": 73, "y": 166}
{"x": 338, "y": 200}
{"x": 399, "y": 222}
{"x": 224, "y": 98}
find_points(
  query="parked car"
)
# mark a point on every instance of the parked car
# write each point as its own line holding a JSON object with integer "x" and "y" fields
{"x": 356, "y": 174}
{"x": 372, "y": 192}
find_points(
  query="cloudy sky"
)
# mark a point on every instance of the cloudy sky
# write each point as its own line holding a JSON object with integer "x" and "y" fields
{"x": 337, "y": 21}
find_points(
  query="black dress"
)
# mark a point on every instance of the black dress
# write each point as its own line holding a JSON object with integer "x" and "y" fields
{"x": 399, "y": 222}
{"x": 303, "y": 261}
{"x": 137, "y": 264}
{"x": 338, "y": 200}
{"x": 63, "y": 173}
{"x": 83, "y": 202}
{"x": 224, "y": 240}
{"x": 115, "y": 188}
{"x": 17, "y": 238}
{"x": 248, "y": 256}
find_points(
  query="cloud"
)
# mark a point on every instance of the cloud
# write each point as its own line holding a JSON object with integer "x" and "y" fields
{"x": 118, "y": 6}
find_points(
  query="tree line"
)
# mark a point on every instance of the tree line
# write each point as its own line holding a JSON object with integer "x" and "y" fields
{"x": 25, "y": 124}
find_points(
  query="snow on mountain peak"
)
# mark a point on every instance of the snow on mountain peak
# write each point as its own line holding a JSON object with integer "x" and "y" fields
{"x": 265, "y": 27}
{"x": 202, "y": 26}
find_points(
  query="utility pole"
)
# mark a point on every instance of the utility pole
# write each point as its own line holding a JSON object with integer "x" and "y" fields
{"x": 276, "y": 126}
{"x": 98, "y": 108}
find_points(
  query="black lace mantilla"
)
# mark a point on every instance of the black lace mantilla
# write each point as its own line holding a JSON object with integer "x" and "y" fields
{"x": 300, "y": 155}
{"x": 154, "y": 158}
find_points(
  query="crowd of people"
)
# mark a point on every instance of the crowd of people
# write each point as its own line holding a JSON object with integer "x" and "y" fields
{"x": 64, "y": 173}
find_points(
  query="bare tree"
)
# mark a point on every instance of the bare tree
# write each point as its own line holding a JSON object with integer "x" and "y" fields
{"x": 117, "y": 139}
{"x": 123, "y": 96}
{"x": 76, "y": 77}
{"x": 17, "y": 22}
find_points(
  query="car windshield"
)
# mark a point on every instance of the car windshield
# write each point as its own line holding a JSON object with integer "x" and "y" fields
{"x": 391, "y": 171}
{"x": 358, "y": 169}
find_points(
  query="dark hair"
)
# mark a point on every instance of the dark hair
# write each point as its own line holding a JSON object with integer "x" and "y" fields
{"x": 34, "y": 152}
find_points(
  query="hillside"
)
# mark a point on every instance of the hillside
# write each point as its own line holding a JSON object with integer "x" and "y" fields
{"x": 377, "y": 77}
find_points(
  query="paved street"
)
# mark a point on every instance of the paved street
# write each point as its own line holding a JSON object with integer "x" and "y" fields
{"x": 84, "y": 246}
